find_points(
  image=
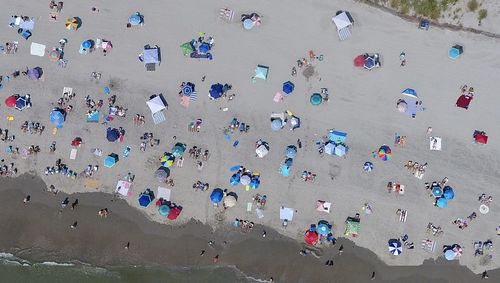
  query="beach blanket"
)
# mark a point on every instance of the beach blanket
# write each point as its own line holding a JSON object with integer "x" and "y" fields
{"x": 428, "y": 245}
{"x": 435, "y": 143}
{"x": 185, "y": 101}
{"x": 72, "y": 154}
{"x": 158, "y": 117}
{"x": 37, "y": 49}
{"x": 323, "y": 206}
{"x": 463, "y": 101}
{"x": 286, "y": 213}
{"x": 93, "y": 117}
{"x": 123, "y": 187}
{"x": 278, "y": 97}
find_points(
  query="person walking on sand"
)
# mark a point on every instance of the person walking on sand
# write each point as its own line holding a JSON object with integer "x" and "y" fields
{"x": 202, "y": 252}
{"x": 373, "y": 276}
{"x": 73, "y": 205}
{"x": 484, "y": 275}
{"x": 127, "y": 246}
{"x": 73, "y": 226}
{"x": 27, "y": 199}
{"x": 216, "y": 258}
{"x": 299, "y": 143}
{"x": 341, "y": 249}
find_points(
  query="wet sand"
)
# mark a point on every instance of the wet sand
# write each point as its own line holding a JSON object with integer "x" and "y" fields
{"x": 39, "y": 231}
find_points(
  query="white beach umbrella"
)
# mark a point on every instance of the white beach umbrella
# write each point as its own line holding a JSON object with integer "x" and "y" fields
{"x": 245, "y": 180}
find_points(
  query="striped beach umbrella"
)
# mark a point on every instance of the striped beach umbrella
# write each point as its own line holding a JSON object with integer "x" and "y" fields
{"x": 385, "y": 153}
{"x": 72, "y": 24}
{"x": 368, "y": 166}
{"x": 395, "y": 247}
{"x": 54, "y": 55}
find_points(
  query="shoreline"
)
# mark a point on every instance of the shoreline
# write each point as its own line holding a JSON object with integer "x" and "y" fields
{"x": 263, "y": 262}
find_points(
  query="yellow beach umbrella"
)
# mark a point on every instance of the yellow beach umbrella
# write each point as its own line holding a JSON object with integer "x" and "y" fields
{"x": 72, "y": 24}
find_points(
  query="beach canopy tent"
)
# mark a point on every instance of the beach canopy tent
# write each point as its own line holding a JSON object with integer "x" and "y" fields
{"x": 368, "y": 166}
{"x": 57, "y": 117}
{"x": 448, "y": 193}
{"x": 73, "y": 23}
{"x": 111, "y": 160}
{"x": 112, "y": 134}
{"x": 136, "y": 19}
{"x": 216, "y": 91}
{"x": 288, "y": 87}
{"x": 384, "y": 153}
{"x": 230, "y": 200}
{"x": 35, "y": 73}
{"x": 37, "y": 49}
{"x": 455, "y": 51}
{"x": 352, "y": 227}
{"x": 178, "y": 149}
{"x": 262, "y": 150}
{"x": 410, "y": 92}
{"x": 291, "y": 151}
{"x": 286, "y": 213}
{"x": 337, "y": 136}
{"x": 187, "y": 48}
{"x": 164, "y": 210}
{"x": 316, "y": 99}
{"x": 261, "y": 72}
{"x": 343, "y": 21}
{"x": 151, "y": 56}
{"x": 161, "y": 174}
{"x": 145, "y": 199}
{"x": 21, "y": 103}
{"x": 11, "y": 101}
{"x": 156, "y": 104}
{"x": 395, "y": 247}
{"x": 330, "y": 148}
{"x": 311, "y": 238}
{"x": 216, "y": 195}
{"x": 441, "y": 202}
{"x": 480, "y": 137}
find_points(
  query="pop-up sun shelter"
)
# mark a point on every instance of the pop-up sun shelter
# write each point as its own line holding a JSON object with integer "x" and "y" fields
{"x": 343, "y": 21}
{"x": 261, "y": 72}
{"x": 455, "y": 51}
{"x": 157, "y": 104}
{"x": 150, "y": 57}
{"x": 111, "y": 160}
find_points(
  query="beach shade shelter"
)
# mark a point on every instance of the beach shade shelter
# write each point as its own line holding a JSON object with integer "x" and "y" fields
{"x": 156, "y": 104}
{"x": 480, "y": 137}
{"x": 337, "y": 137}
{"x": 216, "y": 196}
{"x": 286, "y": 213}
{"x": 55, "y": 55}
{"x": 57, "y": 117}
{"x": 323, "y": 229}
{"x": 245, "y": 179}
{"x": 316, "y": 99}
{"x": 437, "y": 191}
{"x": 111, "y": 160}
{"x": 86, "y": 46}
{"x": 21, "y": 103}
{"x": 449, "y": 254}
{"x": 410, "y": 92}
{"x": 254, "y": 183}
{"x": 311, "y": 238}
{"x": 144, "y": 200}
{"x": 72, "y": 23}
{"x": 34, "y": 74}
{"x": 262, "y": 150}
{"x": 288, "y": 87}
{"x": 229, "y": 201}
{"x": 395, "y": 247}
{"x": 330, "y": 148}
{"x": 261, "y": 72}
{"x": 448, "y": 193}
{"x": 359, "y": 61}
{"x": 455, "y": 51}
{"x": 37, "y": 49}
{"x": 352, "y": 227}
{"x": 164, "y": 210}
{"x": 343, "y": 21}
{"x": 161, "y": 174}
{"x": 291, "y": 151}
{"x": 235, "y": 179}
{"x": 385, "y": 153}
{"x": 178, "y": 149}
{"x": 135, "y": 19}
{"x": 441, "y": 202}
{"x": 216, "y": 91}
{"x": 340, "y": 150}
{"x": 112, "y": 134}
{"x": 464, "y": 101}
{"x": 368, "y": 166}
{"x": 204, "y": 48}
{"x": 174, "y": 213}
{"x": 187, "y": 48}
{"x": 11, "y": 101}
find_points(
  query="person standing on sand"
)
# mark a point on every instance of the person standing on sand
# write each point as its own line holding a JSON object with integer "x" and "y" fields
{"x": 27, "y": 199}
{"x": 299, "y": 143}
{"x": 73, "y": 226}
{"x": 373, "y": 276}
{"x": 202, "y": 252}
{"x": 216, "y": 258}
{"x": 73, "y": 205}
{"x": 341, "y": 249}
{"x": 484, "y": 275}
{"x": 127, "y": 246}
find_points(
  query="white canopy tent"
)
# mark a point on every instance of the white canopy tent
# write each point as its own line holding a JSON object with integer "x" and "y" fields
{"x": 343, "y": 21}
{"x": 156, "y": 104}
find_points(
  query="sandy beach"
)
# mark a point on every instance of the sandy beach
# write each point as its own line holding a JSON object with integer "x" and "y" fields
{"x": 362, "y": 103}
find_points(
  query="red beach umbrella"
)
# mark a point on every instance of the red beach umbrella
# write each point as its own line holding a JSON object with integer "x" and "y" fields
{"x": 174, "y": 213}
{"x": 10, "y": 101}
{"x": 359, "y": 61}
{"x": 311, "y": 238}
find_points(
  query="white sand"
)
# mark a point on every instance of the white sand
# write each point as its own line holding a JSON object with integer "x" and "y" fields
{"x": 361, "y": 103}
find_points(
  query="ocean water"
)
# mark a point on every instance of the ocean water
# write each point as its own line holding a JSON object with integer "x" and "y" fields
{"x": 15, "y": 270}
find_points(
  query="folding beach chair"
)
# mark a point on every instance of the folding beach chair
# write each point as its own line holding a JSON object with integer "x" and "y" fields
{"x": 226, "y": 14}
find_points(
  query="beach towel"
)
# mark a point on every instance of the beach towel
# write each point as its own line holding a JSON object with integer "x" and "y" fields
{"x": 428, "y": 245}
{"x": 249, "y": 206}
{"x": 193, "y": 96}
{"x": 93, "y": 117}
{"x": 72, "y": 154}
{"x": 163, "y": 193}
{"x": 286, "y": 213}
{"x": 185, "y": 101}
{"x": 37, "y": 49}
{"x": 92, "y": 184}
{"x": 434, "y": 143}
{"x": 463, "y": 101}
{"x": 403, "y": 215}
{"x": 158, "y": 117}
{"x": 323, "y": 206}
{"x": 123, "y": 187}
{"x": 278, "y": 97}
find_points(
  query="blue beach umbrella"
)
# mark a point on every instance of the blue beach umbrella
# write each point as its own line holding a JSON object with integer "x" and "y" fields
{"x": 395, "y": 247}
{"x": 144, "y": 200}
{"x": 276, "y": 124}
{"x": 216, "y": 196}
{"x": 135, "y": 19}
{"x": 449, "y": 254}
{"x": 164, "y": 210}
{"x": 177, "y": 150}
{"x": 112, "y": 134}
{"x": 437, "y": 191}
{"x": 316, "y": 99}
{"x": 254, "y": 183}
{"x": 368, "y": 166}
{"x": 215, "y": 91}
{"x": 235, "y": 179}
{"x": 410, "y": 92}
{"x": 21, "y": 103}
{"x": 248, "y": 24}
{"x": 448, "y": 193}
{"x": 323, "y": 229}
{"x": 291, "y": 151}
{"x": 187, "y": 90}
{"x": 288, "y": 87}
{"x": 441, "y": 203}
{"x": 110, "y": 160}
{"x": 455, "y": 51}
{"x": 87, "y": 44}
{"x": 204, "y": 48}
{"x": 369, "y": 63}
{"x": 57, "y": 117}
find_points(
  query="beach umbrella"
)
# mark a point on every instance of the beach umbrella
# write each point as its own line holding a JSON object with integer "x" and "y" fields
{"x": 87, "y": 44}
{"x": 483, "y": 209}
{"x": 229, "y": 201}
{"x": 248, "y": 24}
{"x": 168, "y": 160}
{"x": 323, "y": 229}
{"x": 112, "y": 134}
{"x": 72, "y": 24}
{"x": 54, "y": 55}
{"x": 215, "y": 91}
{"x": 410, "y": 92}
{"x": 187, "y": 89}
{"x": 448, "y": 193}
{"x": 174, "y": 213}
{"x": 369, "y": 63}
{"x": 316, "y": 99}
{"x": 368, "y": 166}
{"x": 204, "y": 48}
{"x": 262, "y": 150}
{"x": 385, "y": 153}
{"x": 295, "y": 122}
{"x": 110, "y": 160}
{"x": 254, "y": 183}
{"x": 288, "y": 87}
{"x": 178, "y": 150}
{"x": 340, "y": 150}
{"x": 311, "y": 238}
{"x": 261, "y": 72}
{"x": 135, "y": 19}
{"x": 11, "y": 101}
{"x": 144, "y": 200}
{"x": 441, "y": 203}
{"x": 455, "y": 51}
{"x": 57, "y": 117}
{"x": 245, "y": 180}
{"x": 33, "y": 74}
{"x": 216, "y": 195}
{"x": 449, "y": 254}
{"x": 21, "y": 103}
{"x": 481, "y": 138}
{"x": 164, "y": 210}
{"x": 395, "y": 247}
{"x": 235, "y": 179}
{"x": 291, "y": 151}
{"x": 161, "y": 174}
{"x": 437, "y": 191}
{"x": 359, "y": 61}
{"x": 330, "y": 148}
{"x": 276, "y": 124}
{"x": 402, "y": 106}
{"x": 106, "y": 90}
